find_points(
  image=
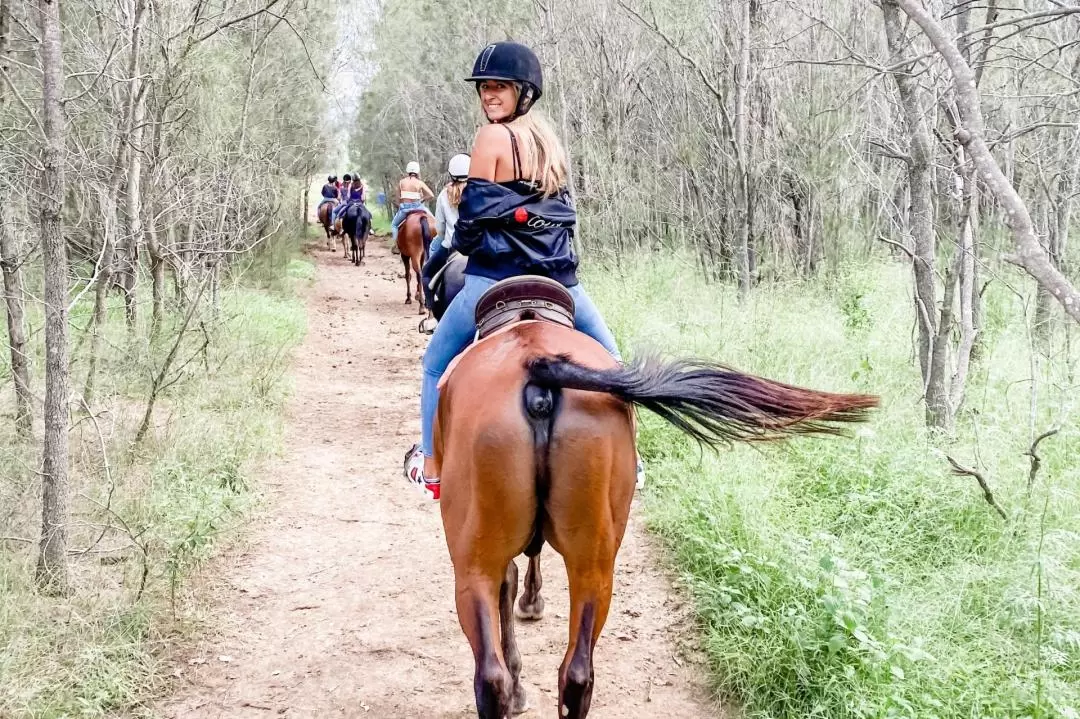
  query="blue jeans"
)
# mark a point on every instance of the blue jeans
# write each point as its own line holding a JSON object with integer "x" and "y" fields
{"x": 456, "y": 331}
{"x": 402, "y": 212}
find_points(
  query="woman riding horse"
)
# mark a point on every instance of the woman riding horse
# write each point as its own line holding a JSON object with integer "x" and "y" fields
{"x": 412, "y": 194}
{"x": 534, "y": 435}
{"x": 518, "y": 163}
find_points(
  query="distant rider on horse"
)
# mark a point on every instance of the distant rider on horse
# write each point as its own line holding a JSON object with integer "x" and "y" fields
{"x": 329, "y": 191}
{"x": 412, "y": 194}
{"x": 518, "y": 168}
{"x": 351, "y": 191}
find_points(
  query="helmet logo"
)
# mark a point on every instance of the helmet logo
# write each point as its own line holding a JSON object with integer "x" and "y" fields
{"x": 485, "y": 57}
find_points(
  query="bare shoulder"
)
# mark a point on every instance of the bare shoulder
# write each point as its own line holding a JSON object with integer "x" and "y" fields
{"x": 491, "y": 138}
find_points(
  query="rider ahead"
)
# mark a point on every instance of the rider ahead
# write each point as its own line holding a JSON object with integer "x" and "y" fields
{"x": 329, "y": 190}
{"x": 412, "y": 194}
{"x": 446, "y": 215}
{"x": 518, "y": 167}
{"x": 350, "y": 191}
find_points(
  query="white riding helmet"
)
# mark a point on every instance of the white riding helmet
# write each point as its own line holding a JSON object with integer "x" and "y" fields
{"x": 413, "y": 168}
{"x": 459, "y": 166}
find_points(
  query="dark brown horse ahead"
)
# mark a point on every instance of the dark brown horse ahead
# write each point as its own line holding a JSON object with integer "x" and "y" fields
{"x": 535, "y": 443}
{"x": 414, "y": 238}
{"x": 323, "y": 213}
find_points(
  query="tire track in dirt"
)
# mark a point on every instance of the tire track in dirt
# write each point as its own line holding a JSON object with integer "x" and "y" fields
{"x": 340, "y": 604}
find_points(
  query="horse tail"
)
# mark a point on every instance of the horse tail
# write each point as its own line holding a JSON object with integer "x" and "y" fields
{"x": 541, "y": 405}
{"x": 712, "y": 403}
{"x": 425, "y": 232}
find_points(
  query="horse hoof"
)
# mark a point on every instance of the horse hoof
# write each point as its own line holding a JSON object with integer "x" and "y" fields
{"x": 521, "y": 701}
{"x": 531, "y": 613}
{"x": 408, "y": 301}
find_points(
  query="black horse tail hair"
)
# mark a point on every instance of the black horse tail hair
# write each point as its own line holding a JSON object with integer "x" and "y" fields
{"x": 712, "y": 403}
{"x": 425, "y": 232}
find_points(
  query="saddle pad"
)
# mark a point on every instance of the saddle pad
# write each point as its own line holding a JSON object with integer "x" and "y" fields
{"x": 454, "y": 362}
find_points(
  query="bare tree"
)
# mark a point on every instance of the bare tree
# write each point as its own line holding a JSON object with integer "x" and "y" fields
{"x": 52, "y": 568}
{"x": 1027, "y": 253}
{"x": 11, "y": 267}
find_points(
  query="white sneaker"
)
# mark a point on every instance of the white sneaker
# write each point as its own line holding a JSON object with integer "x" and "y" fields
{"x": 640, "y": 473}
{"x": 414, "y": 473}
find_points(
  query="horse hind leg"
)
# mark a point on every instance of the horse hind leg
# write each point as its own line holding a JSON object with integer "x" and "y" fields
{"x": 530, "y": 606}
{"x": 590, "y": 599}
{"x": 507, "y": 594}
{"x": 408, "y": 280}
{"x": 478, "y": 609}
{"x": 419, "y": 287}
{"x": 598, "y": 482}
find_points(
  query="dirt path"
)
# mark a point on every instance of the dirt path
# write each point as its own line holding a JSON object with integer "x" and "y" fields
{"x": 341, "y": 605}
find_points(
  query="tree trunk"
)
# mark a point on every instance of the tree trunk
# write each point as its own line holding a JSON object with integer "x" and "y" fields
{"x": 10, "y": 262}
{"x": 102, "y": 282}
{"x": 920, "y": 222}
{"x": 13, "y": 294}
{"x": 128, "y": 249}
{"x": 742, "y": 151}
{"x": 157, "y": 272}
{"x": 1058, "y": 219}
{"x": 52, "y": 569}
{"x": 965, "y": 265}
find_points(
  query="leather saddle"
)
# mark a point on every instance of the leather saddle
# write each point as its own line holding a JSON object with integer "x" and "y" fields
{"x": 527, "y": 297}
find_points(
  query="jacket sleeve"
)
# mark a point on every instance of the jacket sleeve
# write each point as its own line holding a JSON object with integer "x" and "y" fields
{"x": 440, "y": 214}
{"x": 468, "y": 234}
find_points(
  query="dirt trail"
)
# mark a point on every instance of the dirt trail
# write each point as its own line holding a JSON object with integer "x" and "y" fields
{"x": 341, "y": 604}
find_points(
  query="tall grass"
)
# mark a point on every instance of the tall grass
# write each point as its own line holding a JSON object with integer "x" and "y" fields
{"x": 144, "y": 516}
{"x": 860, "y": 578}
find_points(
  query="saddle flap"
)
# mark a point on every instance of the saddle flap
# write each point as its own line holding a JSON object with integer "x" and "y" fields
{"x": 527, "y": 297}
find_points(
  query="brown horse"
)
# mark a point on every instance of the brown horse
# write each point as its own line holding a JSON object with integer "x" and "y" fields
{"x": 413, "y": 240}
{"x": 323, "y": 213}
{"x": 534, "y": 441}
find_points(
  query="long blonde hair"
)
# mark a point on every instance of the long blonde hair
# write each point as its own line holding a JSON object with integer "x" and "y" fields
{"x": 542, "y": 151}
{"x": 454, "y": 189}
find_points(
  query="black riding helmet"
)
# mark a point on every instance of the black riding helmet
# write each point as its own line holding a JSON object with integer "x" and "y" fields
{"x": 347, "y": 177}
{"x": 511, "y": 62}
{"x": 329, "y": 178}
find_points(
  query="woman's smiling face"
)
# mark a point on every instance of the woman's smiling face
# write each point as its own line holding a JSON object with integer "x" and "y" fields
{"x": 498, "y": 99}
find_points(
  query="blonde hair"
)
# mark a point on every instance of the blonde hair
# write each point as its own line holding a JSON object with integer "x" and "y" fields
{"x": 454, "y": 189}
{"x": 541, "y": 151}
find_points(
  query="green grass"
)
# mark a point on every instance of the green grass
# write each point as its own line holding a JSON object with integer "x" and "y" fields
{"x": 858, "y": 577}
{"x": 168, "y": 505}
{"x": 379, "y": 221}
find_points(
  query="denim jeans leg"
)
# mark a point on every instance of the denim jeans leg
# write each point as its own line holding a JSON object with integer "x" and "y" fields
{"x": 454, "y": 333}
